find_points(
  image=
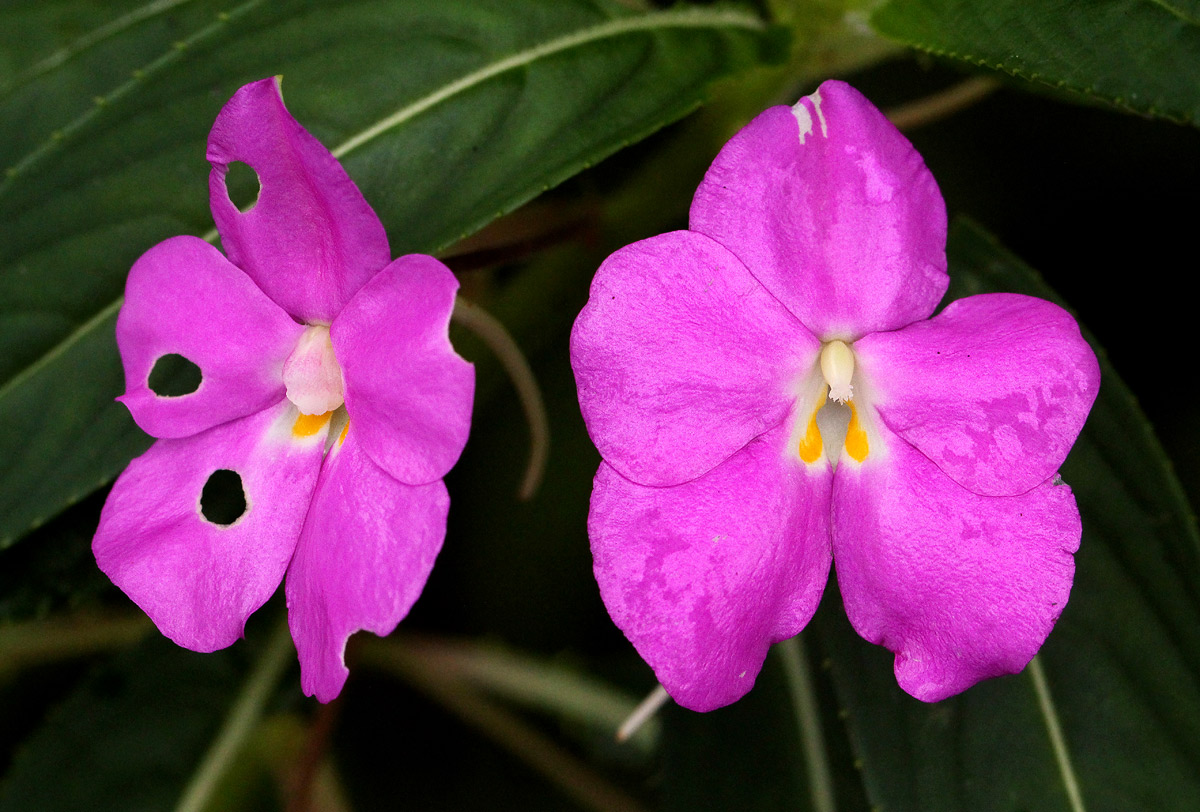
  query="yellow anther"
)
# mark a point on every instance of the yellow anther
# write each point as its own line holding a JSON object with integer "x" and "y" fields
{"x": 856, "y": 438}
{"x": 811, "y": 447}
{"x": 307, "y": 425}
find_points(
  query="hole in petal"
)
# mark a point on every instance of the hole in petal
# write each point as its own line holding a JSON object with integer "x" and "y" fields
{"x": 223, "y": 500}
{"x": 174, "y": 376}
{"x": 242, "y": 186}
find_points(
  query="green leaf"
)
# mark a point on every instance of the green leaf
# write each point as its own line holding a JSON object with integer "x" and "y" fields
{"x": 446, "y": 115}
{"x": 1120, "y": 674}
{"x": 128, "y": 737}
{"x": 1139, "y": 55}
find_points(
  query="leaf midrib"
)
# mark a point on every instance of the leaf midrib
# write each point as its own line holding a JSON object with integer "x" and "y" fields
{"x": 683, "y": 18}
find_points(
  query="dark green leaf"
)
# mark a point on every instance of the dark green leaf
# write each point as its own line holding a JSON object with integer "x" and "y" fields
{"x": 129, "y": 736}
{"x": 1121, "y": 669}
{"x": 445, "y": 114}
{"x": 1140, "y": 55}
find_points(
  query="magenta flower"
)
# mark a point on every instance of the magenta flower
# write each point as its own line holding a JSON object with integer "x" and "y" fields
{"x": 329, "y": 387}
{"x": 769, "y": 394}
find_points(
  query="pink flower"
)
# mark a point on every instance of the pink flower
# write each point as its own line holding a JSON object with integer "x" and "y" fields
{"x": 769, "y": 394}
{"x": 329, "y": 387}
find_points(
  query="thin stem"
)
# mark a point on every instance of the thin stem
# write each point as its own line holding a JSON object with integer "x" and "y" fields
{"x": 571, "y": 775}
{"x": 642, "y": 713}
{"x": 240, "y": 722}
{"x": 1057, "y": 741}
{"x": 39, "y": 641}
{"x": 529, "y": 682}
{"x": 942, "y": 104}
{"x": 808, "y": 723}
{"x": 493, "y": 333}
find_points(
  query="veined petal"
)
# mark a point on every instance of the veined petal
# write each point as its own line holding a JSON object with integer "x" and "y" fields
{"x": 703, "y": 577}
{"x": 409, "y": 394}
{"x": 961, "y": 587}
{"x": 184, "y": 298}
{"x": 681, "y": 357}
{"x": 197, "y": 580}
{"x": 367, "y": 548}
{"x": 994, "y": 389}
{"x": 834, "y": 212}
{"x": 310, "y": 240}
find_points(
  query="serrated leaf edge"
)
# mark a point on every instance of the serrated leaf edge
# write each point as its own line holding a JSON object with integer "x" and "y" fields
{"x": 1034, "y": 77}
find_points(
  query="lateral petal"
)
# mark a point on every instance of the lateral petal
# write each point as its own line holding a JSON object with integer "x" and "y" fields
{"x": 681, "y": 357}
{"x": 961, "y": 587}
{"x": 310, "y": 240}
{"x": 703, "y": 577}
{"x": 197, "y": 580}
{"x": 834, "y": 212}
{"x": 364, "y": 555}
{"x": 994, "y": 389}
{"x": 408, "y": 393}
{"x": 182, "y": 297}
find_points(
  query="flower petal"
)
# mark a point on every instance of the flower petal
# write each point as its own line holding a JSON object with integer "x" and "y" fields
{"x": 408, "y": 392}
{"x": 994, "y": 389}
{"x": 199, "y": 581}
{"x": 703, "y": 577}
{"x": 311, "y": 240}
{"x": 184, "y": 298}
{"x": 961, "y": 587}
{"x": 834, "y": 211}
{"x": 367, "y": 548}
{"x": 681, "y": 358}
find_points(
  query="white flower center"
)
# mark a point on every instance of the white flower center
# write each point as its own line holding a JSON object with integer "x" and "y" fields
{"x": 311, "y": 374}
{"x": 837, "y": 365}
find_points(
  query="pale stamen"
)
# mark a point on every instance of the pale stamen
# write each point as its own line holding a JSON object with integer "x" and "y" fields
{"x": 311, "y": 374}
{"x": 837, "y": 365}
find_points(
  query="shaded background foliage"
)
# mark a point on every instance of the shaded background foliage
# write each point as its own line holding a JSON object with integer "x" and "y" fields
{"x": 509, "y": 655}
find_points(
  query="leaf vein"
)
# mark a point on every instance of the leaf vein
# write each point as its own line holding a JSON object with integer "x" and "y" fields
{"x": 1054, "y": 729}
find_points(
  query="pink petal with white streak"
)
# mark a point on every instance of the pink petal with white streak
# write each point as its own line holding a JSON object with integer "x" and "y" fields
{"x": 834, "y": 212}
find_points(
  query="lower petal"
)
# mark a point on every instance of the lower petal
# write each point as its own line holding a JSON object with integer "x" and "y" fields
{"x": 199, "y": 580}
{"x": 367, "y": 548}
{"x": 960, "y": 586}
{"x": 703, "y": 577}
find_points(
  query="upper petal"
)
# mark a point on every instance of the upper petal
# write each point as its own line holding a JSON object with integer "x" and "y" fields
{"x": 834, "y": 211}
{"x": 184, "y": 298}
{"x": 197, "y": 580}
{"x": 960, "y": 586}
{"x": 366, "y": 550}
{"x": 994, "y": 389}
{"x": 681, "y": 358}
{"x": 409, "y": 394}
{"x": 310, "y": 241}
{"x": 703, "y": 577}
